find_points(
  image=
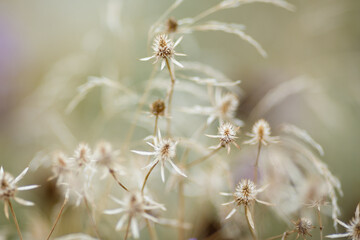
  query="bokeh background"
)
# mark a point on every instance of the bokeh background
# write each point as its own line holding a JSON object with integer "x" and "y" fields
{"x": 49, "y": 48}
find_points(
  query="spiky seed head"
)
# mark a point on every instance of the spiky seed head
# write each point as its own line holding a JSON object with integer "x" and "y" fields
{"x": 261, "y": 133}
{"x": 82, "y": 155}
{"x": 227, "y": 133}
{"x": 163, "y": 46}
{"x": 354, "y": 229}
{"x": 7, "y": 187}
{"x": 166, "y": 149}
{"x": 171, "y": 25}
{"x": 228, "y": 105}
{"x": 245, "y": 192}
{"x": 158, "y": 108}
{"x": 303, "y": 226}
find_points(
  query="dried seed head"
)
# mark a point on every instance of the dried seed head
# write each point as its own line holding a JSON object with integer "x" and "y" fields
{"x": 228, "y": 106}
{"x": 354, "y": 228}
{"x": 165, "y": 150}
{"x": 60, "y": 165}
{"x": 158, "y": 108}
{"x": 163, "y": 47}
{"x": 303, "y": 226}
{"x": 104, "y": 154}
{"x": 82, "y": 155}
{"x": 227, "y": 133}
{"x": 261, "y": 133}
{"x": 171, "y": 25}
{"x": 7, "y": 187}
{"x": 245, "y": 192}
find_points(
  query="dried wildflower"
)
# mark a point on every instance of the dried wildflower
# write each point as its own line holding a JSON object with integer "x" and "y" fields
{"x": 171, "y": 25}
{"x": 104, "y": 155}
{"x": 303, "y": 227}
{"x": 164, "y": 151}
{"x": 227, "y": 135}
{"x": 164, "y": 49}
{"x": 60, "y": 167}
{"x": 353, "y": 228}
{"x": 8, "y": 189}
{"x": 134, "y": 205}
{"x": 261, "y": 134}
{"x": 244, "y": 195}
{"x": 82, "y": 156}
{"x": 157, "y": 108}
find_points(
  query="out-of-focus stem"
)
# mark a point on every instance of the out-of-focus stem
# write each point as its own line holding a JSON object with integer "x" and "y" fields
{"x": 156, "y": 125}
{"x": 57, "y": 218}
{"x": 128, "y": 227}
{"x": 91, "y": 218}
{"x": 256, "y": 167}
{"x": 284, "y": 235}
{"x": 151, "y": 229}
{"x": 170, "y": 95}
{"x": 320, "y": 222}
{"x": 112, "y": 172}
{"x": 147, "y": 176}
{"x": 15, "y": 220}
{"x": 200, "y": 160}
{"x": 181, "y": 230}
{"x": 253, "y": 234}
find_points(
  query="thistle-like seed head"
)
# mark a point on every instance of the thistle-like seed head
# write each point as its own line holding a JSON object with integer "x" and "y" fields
{"x": 166, "y": 149}
{"x": 158, "y": 108}
{"x": 303, "y": 227}
{"x": 171, "y": 25}
{"x": 228, "y": 106}
{"x": 227, "y": 133}
{"x": 245, "y": 192}
{"x": 163, "y": 46}
{"x": 82, "y": 155}
{"x": 261, "y": 133}
{"x": 7, "y": 187}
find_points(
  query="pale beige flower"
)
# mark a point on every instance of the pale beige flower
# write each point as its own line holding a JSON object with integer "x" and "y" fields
{"x": 261, "y": 133}
{"x": 164, "y": 49}
{"x": 227, "y": 135}
{"x": 303, "y": 227}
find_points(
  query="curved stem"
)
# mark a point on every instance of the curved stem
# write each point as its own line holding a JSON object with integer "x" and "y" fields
{"x": 112, "y": 172}
{"x": 181, "y": 213}
{"x": 256, "y": 167}
{"x": 57, "y": 218}
{"x": 91, "y": 218}
{"x": 147, "y": 176}
{"x": 253, "y": 234}
{"x": 170, "y": 94}
{"x": 15, "y": 219}
{"x": 200, "y": 160}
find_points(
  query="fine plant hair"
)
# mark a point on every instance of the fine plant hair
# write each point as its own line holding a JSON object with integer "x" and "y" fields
{"x": 171, "y": 168}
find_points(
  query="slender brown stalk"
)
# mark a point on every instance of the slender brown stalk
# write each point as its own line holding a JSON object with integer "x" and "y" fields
{"x": 253, "y": 234}
{"x": 156, "y": 125}
{"x": 181, "y": 213}
{"x": 200, "y": 160}
{"x": 57, "y": 218}
{"x": 112, "y": 172}
{"x": 320, "y": 222}
{"x": 147, "y": 176}
{"x": 127, "y": 228}
{"x": 281, "y": 235}
{"x": 15, "y": 219}
{"x": 151, "y": 229}
{"x": 170, "y": 95}
{"x": 256, "y": 167}
{"x": 91, "y": 218}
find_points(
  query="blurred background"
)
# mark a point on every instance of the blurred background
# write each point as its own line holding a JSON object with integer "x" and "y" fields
{"x": 49, "y": 48}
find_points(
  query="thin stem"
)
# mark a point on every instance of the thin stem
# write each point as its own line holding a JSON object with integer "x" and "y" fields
{"x": 281, "y": 235}
{"x": 147, "y": 176}
{"x": 253, "y": 234}
{"x": 206, "y": 13}
{"x": 256, "y": 167}
{"x": 156, "y": 125}
{"x": 200, "y": 160}
{"x": 170, "y": 95}
{"x": 57, "y": 218}
{"x": 151, "y": 229}
{"x": 320, "y": 223}
{"x": 15, "y": 219}
{"x": 91, "y": 218}
{"x": 128, "y": 227}
{"x": 112, "y": 172}
{"x": 181, "y": 213}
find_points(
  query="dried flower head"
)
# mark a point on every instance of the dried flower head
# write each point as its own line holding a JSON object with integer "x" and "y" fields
{"x": 158, "y": 108}
{"x": 261, "y": 134}
{"x": 164, "y": 49}
{"x": 134, "y": 205}
{"x": 303, "y": 227}
{"x": 82, "y": 155}
{"x": 8, "y": 189}
{"x": 105, "y": 155}
{"x": 227, "y": 135}
{"x": 244, "y": 195}
{"x": 171, "y": 25}
{"x": 164, "y": 151}
{"x": 353, "y": 228}
{"x": 60, "y": 167}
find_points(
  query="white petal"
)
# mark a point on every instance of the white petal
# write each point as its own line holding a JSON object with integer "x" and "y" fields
{"x": 262, "y": 188}
{"x": 228, "y": 203}
{"x": 177, "y": 63}
{"x": 121, "y": 222}
{"x": 213, "y": 136}
{"x": 147, "y": 58}
{"x": 338, "y": 235}
{"x": 24, "y": 202}
{"x": 162, "y": 64}
{"x": 6, "y": 209}
{"x": 135, "y": 228}
{"x": 152, "y": 145}
{"x": 162, "y": 172}
{"x": 178, "y": 41}
{"x": 231, "y": 213}
{"x": 150, "y": 165}
{"x": 342, "y": 223}
{"x": 143, "y": 153}
{"x": 263, "y": 202}
{"x": 24, "y": 188}
{"x": 179, "y": 54}
{"x": 21, "y": 175}
{"x": 117, "y": 200}
{"x": 1, "y": 172}
{"x": 148, "y": 216}
{"x": 177, "y": 169}
{"x": 114, "y": 211}
{"x": 225, "y": 194}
